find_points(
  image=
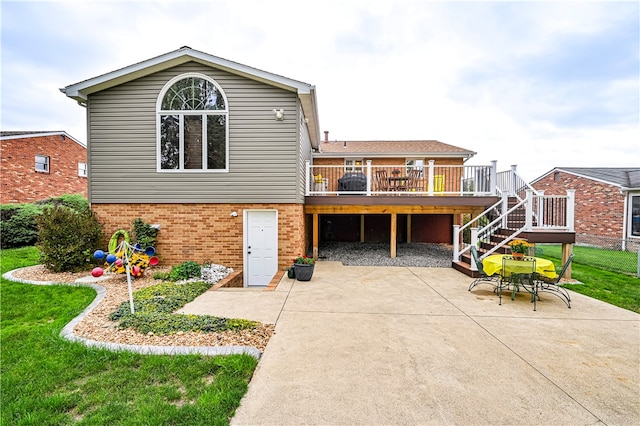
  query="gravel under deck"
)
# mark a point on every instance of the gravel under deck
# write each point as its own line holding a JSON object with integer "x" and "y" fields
{"x": 378, "y": 254}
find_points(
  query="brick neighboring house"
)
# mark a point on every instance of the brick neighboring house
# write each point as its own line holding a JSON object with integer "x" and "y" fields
{"x": 607, "y": 201}
{"x": 36, "y": 165}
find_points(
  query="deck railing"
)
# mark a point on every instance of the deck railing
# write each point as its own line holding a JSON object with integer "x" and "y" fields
{"x": 428, "y": 180}
{"x": 541, "y": 212}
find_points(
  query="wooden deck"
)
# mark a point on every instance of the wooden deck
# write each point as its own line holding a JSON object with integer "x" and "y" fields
{"x": 391, "y": 205}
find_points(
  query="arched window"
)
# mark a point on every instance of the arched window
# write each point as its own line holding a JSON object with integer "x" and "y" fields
{"x": 192, "y": 125}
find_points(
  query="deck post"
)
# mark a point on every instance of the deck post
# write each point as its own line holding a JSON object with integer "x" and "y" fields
{"x": 409, "y": 228}
{"x": 456, "y": 243}
{"x": 315, "y": 236}
{"x": 474, "y": 243}
{"x": 430, "y": 178}
{"x": 528, "y": 219}
{"x": 512, "y": 181}
{"x": 368, "y": 178}
{"x": 362, "y": 228}
{"x": 505, "y": 209}
{"x": 307, "y": 178}
{"x": 571, "y": 202}
{"x": 541, "y": 207}
{"x": 567, "y": 249}
{"x": 493, "y": 178}
{"x": 394, "y": 231}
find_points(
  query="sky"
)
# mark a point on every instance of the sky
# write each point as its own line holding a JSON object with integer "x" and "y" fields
{"x": 533, "y": 84}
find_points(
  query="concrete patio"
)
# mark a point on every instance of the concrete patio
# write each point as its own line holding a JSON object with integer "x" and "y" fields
{"x": 410, "y": 345}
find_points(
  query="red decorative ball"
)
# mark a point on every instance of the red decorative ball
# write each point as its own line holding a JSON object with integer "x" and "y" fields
{"x": 97, "y": 272}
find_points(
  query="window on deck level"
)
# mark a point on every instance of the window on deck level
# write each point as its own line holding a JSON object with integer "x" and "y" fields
{"x": 82, "y": 169}
{"x": 192, "y": 125}
{"x": 415, "y": 164}
{"x": 353, "y": 165}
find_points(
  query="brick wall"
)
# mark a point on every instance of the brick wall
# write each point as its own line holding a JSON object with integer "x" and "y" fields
{"x": 20, "y": 181}
{"x": 599, "y": 207}
{"x": 206, "y": 232}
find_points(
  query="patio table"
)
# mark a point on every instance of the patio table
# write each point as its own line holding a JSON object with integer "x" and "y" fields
{"x": 493, "y": 265}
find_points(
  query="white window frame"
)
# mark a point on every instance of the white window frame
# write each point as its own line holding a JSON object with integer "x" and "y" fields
{"x": 182, "y": 113}
{"x": 415, "y": 164}
{"x": 353, "y": 164}
{"x": 635, "y": 195}
{"x": 44, "y": 162}
{"x": 82, "y": 169}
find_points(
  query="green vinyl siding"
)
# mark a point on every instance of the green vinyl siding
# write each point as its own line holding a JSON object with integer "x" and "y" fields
{"x": 264, "y": 154}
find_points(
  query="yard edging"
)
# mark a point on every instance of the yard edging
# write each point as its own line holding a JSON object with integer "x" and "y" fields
{"x": 68, "y": 334}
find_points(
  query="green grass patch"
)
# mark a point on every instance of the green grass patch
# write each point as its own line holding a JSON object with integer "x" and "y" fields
{"x": 154, "y": 307}
{"x": 609, "y": 260}
{"x": 46, "y": 380}
{"x": 616, "y": 288}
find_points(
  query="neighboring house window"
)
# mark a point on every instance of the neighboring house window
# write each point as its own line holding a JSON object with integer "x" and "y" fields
{"x": 42, "y": 163}
{"x": 353, "y": 165}
{"x": 82, "y": 169}
{"x": 192, "y": 125}
{"x": 415, "y": 164}
{"x": 635, "y": 215}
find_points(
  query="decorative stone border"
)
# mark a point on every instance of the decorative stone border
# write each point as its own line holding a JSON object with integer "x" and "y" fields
{"x": 68, "y": 334}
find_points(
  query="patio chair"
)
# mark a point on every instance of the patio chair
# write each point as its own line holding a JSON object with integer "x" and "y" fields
{"x": 518, "y": 273}
{"x": 483, "y": 278}
{"x": 413, "y": 180}
{"x": 553, "y": 286}
{"x": 381, "y": 180}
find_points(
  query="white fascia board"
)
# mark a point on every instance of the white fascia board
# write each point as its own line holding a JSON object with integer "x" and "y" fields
{"x": 403, "y": 155}
{"x": 39, "y": 135}
{"x": 80, "y": 91}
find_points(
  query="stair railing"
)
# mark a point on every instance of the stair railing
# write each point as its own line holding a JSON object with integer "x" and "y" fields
{"x": 458, "y": 231}
{"x": 484, "y": 233}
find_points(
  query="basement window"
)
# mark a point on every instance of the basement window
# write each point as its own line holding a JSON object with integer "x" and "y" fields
{"x": 42, "y": 163}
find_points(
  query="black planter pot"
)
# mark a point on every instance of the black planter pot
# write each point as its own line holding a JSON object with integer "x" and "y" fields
{"x": 303, "y": 272}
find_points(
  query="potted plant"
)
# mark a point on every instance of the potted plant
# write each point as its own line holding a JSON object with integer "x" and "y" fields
{"x": 303, "y": 267}
{"x": 519, "y": 248}
{"x": 395, "y": 172}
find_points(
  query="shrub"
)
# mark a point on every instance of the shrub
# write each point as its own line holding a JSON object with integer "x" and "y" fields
{"x": 185, "y": 270}
{"x": 144, "y": 234}
{"x": 67, "y": 238}
{"x": 18, "y": 225}
{"x": 74, "y": 201}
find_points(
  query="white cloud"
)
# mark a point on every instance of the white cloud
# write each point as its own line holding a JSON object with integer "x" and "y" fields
{"x": 495, "y": 78}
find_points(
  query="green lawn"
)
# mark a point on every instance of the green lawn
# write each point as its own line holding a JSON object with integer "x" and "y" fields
{"x": 588, "y": 267}
{"x": 46, "y": 380}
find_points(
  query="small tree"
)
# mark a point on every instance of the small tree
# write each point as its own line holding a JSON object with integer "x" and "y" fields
{"x": 67, "y": 238}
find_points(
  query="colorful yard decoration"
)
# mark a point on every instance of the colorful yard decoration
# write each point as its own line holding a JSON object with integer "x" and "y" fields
{"x": 124, "y": 258}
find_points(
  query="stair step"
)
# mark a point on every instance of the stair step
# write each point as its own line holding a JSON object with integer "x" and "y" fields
{"x": 465, "y": 269}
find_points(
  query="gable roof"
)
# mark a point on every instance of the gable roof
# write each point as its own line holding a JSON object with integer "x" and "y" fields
{"x": 627, "y": 178}
{"x": 306, "y": 92}
{"x": 371, "y": 149}
{"x": 23, "y": 134}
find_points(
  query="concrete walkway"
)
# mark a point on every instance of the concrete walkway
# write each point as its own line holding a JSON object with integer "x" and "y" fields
{"x": 405, "y": 346}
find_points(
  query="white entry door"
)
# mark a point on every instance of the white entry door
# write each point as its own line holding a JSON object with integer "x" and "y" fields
{"x": 261, "y": 247}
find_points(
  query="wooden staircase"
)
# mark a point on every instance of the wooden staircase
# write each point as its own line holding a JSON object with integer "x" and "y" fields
{"x": 464, "y": 265}
{"x": 515, "y": 221}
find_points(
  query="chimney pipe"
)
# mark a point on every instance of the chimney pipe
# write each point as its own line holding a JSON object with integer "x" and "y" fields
{"x": 326, "y": 136}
